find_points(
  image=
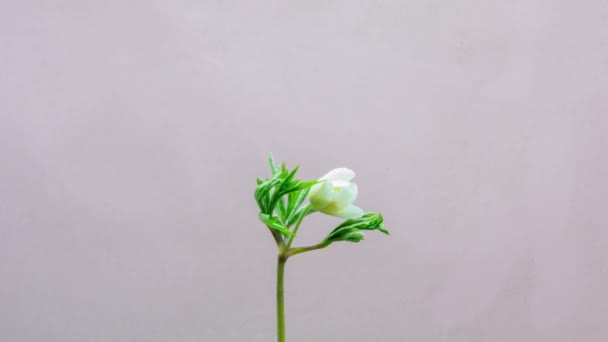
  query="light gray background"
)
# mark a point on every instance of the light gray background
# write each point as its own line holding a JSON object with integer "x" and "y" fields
{"x": 131, "y": 133}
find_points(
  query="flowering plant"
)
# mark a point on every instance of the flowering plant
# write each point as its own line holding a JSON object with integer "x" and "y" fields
{"x": 283, "y": 204}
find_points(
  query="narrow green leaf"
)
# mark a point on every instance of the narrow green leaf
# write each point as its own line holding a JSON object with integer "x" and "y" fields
{"x": 274, "y": 223}
{"x": 264, "y": 194}
{"x": 291, "y": 174}
{"x": 298, "y": 210}
{"x": 282, "y": 209}
{"x": 291, "y": 200}
{"x": 273, "y": 165}
{"x": 304, "y": 185}
{"x": 301, "y": 197}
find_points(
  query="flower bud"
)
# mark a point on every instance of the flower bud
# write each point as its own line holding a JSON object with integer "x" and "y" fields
{"x": 334, "y": 194}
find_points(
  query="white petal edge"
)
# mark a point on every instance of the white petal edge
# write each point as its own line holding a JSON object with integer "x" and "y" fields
{"x": 350, "y": 212}
{"x": 340, "y": 184}
{"x": 340, "y": 173}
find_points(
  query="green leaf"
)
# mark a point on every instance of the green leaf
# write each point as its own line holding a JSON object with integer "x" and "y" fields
{"x": 263, "y": 193}
{"x": 273, "y": 165}
{"x": 295, "y": 199}
{"x": 291, "y": 174}
{"x": 274, "y": 223}
{"x": 351, "y": 229}
{"x": 280, "y": 198}
{"x": 296, "y": 214}
{"x": 282, "y": 209}
{"x": 287, "y": 184}
{"x": 292, "y": 198}
{"x": 304, "y": 185}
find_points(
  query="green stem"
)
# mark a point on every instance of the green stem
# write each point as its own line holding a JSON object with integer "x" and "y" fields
{"x": 277, "y": 238}
{"x": 280, "y": 299}
{"x": 307, "y": 210}
{"x": 298, "y": 250}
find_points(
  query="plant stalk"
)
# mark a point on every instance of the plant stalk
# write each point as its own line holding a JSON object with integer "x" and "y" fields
{"x": 280, "y": 298}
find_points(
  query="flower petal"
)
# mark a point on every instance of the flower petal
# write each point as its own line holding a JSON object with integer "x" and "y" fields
{"x": 341, "y": 199}
{"x": 340, "y": 173}
{"x": 346, "y": 196}
{"x": 350, "y": 212}
{"x": 320, "y": 195}
{"x": 340, "y": 184}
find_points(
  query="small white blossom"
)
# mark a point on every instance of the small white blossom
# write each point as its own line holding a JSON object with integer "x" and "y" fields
{"x": 335, "y": 194}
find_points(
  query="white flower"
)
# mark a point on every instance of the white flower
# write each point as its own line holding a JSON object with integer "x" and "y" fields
{"x": 335, "y": 194}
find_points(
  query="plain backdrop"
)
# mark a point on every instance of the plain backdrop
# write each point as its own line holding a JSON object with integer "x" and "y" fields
{"x": 131, "y": 134}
